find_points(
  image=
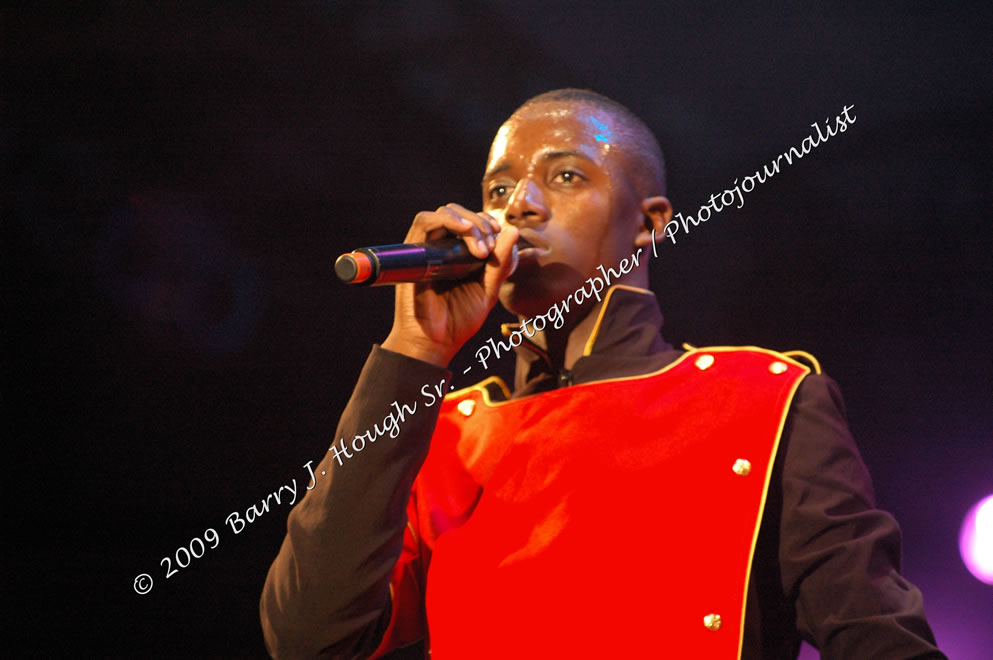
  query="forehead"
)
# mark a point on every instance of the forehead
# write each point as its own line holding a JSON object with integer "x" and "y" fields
{"x": 548, "y": 127}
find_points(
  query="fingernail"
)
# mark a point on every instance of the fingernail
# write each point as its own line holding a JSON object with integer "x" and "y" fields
{"x": 491, "y": 242}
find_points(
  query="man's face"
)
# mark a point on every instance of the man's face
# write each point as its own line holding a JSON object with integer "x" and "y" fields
{"x": 557, "y": 173}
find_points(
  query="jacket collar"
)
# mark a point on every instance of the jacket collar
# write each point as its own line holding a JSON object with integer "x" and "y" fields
{"x": 626, "y": 332}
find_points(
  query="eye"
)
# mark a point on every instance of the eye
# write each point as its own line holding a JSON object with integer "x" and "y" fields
{"x": 497, "y": 191}
{"x": 569, "y": 177}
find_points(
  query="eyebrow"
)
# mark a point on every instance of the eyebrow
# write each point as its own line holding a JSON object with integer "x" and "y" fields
{"x": 549, "y": 155}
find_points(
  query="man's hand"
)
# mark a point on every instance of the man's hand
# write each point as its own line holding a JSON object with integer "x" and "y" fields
{"x": 432, "y": 320}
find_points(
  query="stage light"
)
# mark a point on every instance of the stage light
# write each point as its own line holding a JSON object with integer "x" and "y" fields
{"x": 976, "y": 540}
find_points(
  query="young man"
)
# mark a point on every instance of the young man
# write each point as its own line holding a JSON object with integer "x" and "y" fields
{"x": 629, "y": 499}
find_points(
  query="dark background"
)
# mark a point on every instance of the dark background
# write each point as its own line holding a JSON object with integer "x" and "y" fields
{"x": 178, "y": 180}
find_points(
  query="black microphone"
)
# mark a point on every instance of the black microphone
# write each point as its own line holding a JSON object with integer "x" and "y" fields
{"x": 407, "y": 262}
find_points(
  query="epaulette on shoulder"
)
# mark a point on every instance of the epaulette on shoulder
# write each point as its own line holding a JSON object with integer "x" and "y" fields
{"x": 493, "y": 389}
{"x": 799, "y": 356}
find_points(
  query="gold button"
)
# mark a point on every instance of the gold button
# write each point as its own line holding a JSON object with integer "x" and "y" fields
{"x": 467, "y": 406}
{"x": 704, "y": 361}
{"x": 778, "y": 367}
{"x": 712, "y": 622}
{"x": 742, "y": 467}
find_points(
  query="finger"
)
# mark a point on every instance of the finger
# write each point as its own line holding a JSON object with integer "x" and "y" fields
{"x": 495, "y": 218}
{"x": 481, "y": 224}
{"x": 436, "y": 225}
{"x": 502, "y": 261}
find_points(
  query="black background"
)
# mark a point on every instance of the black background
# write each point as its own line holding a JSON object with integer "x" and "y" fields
{"x": 178, "y": 180}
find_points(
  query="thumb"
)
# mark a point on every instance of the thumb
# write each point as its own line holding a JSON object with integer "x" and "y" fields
{"x": 502, "y": 261}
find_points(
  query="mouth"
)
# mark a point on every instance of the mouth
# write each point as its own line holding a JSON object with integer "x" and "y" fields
{"x": 531, "y": 246}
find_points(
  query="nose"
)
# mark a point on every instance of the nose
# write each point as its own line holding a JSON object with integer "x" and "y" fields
{"x": 526, "y": 205}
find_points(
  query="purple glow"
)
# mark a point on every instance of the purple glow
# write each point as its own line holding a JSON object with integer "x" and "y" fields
{"x": 976, "y": 540}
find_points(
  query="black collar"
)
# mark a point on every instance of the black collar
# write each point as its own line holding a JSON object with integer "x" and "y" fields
{"x": 625, "y": 341}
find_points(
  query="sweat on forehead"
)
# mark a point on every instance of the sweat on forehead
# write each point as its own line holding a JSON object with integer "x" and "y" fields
{"x": 597, "y": 123}
{"x": 613, "y": 124}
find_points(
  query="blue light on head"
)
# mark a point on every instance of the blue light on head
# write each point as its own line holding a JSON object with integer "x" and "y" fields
{"x": 604, "y": 134}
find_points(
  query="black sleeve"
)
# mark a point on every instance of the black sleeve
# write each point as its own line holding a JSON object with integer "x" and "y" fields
{"x": 839, "y": 556}
{"x": 327, "y": 592}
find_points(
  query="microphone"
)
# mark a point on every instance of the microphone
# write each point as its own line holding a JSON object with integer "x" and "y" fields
{"x": 407, "y": 262}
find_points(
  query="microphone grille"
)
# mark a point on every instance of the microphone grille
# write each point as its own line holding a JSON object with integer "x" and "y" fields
{"x": 354, "y": 267}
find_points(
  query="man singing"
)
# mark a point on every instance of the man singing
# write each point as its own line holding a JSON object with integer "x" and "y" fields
{"x": 628, "y": 499}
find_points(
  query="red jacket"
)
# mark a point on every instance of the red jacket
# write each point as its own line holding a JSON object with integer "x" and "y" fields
{"x": 598, "y": 514}
{"x": 523, "y": 507}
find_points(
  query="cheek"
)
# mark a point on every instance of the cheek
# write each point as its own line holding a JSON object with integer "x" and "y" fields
{"x": 584, "y": 235}
{"x": 624, "y": 211}
{"x": 601, "y": 231}
{"x": 585, "y": 248}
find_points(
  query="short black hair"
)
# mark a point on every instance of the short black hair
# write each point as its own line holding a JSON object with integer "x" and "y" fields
{"x": 647, "y": 161}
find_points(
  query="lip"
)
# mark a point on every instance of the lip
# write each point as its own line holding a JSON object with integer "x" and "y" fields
{"x": 531, "y": 245}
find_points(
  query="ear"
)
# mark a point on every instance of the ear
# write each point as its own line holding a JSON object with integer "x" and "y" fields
{"x": 657, "y": 212}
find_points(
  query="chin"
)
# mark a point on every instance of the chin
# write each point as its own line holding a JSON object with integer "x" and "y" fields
{"x": 530, "y": 292}
{"x": 517, "y": 300}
